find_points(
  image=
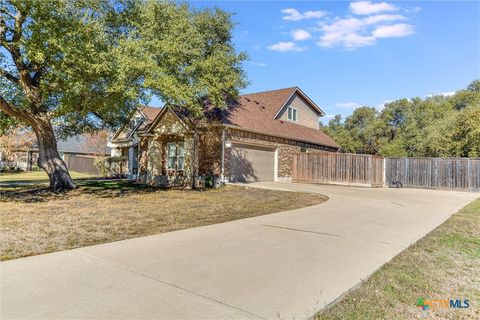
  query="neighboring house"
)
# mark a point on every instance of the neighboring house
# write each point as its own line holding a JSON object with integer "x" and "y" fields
{"x": 253, "y": 140}
{"x": 78, "y": 152}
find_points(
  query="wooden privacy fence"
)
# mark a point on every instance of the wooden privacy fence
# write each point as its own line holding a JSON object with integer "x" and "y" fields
{"x": 358, "y": 169}
{"x": 339, "y": 168}
{"x": 434, "y": 173}
{"x": 79, "y": 163}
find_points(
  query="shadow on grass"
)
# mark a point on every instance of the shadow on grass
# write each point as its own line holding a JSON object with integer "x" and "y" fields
{"x": 96, "y": 188}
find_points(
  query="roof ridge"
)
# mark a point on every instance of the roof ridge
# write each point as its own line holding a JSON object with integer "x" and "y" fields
{"x": 152, "y": 107}
{"x": 265, "y": 91}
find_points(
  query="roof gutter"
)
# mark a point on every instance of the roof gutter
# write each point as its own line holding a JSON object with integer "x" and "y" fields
{"x": 279, "y": 136}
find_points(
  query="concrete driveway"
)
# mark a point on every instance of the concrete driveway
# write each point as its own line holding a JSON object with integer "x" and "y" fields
{"x": 284, "y": 265}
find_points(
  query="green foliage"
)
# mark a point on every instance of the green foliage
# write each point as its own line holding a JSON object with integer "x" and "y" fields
{"x": 183, "y": 55}
{"x": 111, "y": 166}
{"x": 68, "y": 48}
{"x": 433, "y": 127}
{"x": 90, "y": 62}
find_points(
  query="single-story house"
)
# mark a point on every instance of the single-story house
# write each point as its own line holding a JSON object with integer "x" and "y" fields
{"x": 253, "y": 140}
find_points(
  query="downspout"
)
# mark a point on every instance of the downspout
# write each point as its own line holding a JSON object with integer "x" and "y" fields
{"x": 222, "y": 174}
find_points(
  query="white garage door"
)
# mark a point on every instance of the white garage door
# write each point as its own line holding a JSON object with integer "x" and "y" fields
{"x": 252, "y": 163}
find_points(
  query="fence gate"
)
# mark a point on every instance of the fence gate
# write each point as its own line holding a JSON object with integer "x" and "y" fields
{"x": 434, "y": 173}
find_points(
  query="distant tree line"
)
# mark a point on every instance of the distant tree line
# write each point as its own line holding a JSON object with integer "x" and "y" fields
{"x": 436, "y": 126}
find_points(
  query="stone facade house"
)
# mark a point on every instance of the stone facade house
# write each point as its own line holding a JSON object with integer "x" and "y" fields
{"x": 253, "y": 140}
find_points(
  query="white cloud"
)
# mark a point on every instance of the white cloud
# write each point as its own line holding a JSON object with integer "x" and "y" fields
{"x": 329, "y": 116}
{"x": 382, "y": 18}
{"x": 445, "y": 94}
{"x": 354, "y": 32}
{"x": 394, "y": 30}
{"x": 367, "y": 7}
{"x": 348, "y": 105}
{"x": 258, "y": 64}
{"x": 301, "y": 34}
{"x": 295, "y": 15}
{"x": 448, "y": 93}
{"x": 343, "y": 32}
{"x": 416, "y": 9}
{"x": 382, "y": 104}
{"x": 285, "y": 46}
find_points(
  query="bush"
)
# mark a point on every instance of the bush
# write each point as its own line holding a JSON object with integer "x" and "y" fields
{"x": 10, "y": 169}
{"x": 111, "y": 166}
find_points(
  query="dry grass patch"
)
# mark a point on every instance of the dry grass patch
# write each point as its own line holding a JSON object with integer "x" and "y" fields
{"x": 36, "y": 221}
{"x": 445, "y": 264}
{"x": 36, "y": 177}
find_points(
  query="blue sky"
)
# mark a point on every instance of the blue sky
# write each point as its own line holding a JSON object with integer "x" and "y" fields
{"x": 344, "y": 54}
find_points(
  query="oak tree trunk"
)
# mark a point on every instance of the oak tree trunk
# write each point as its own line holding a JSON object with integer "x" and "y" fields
{"x": 48, "y": 157}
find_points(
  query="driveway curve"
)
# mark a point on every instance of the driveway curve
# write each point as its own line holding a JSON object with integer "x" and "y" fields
{"x": 283, "y": 265}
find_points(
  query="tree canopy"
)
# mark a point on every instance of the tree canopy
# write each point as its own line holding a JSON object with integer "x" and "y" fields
{"x": 436, "y": 126}
{"x": 84, "y": 65}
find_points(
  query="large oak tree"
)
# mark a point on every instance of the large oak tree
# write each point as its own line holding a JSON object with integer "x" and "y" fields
{"x": 73, "y": 66}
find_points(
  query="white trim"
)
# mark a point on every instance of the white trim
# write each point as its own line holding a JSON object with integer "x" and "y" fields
{"x": 296, "y": 114}
{"x": 275, "y": 166}
{"x": 234, "y": 127}
{"x": 161, "y": 114}
{"x": 285, "y": 179}
{"x": 222, "y": 175}
{"x": 302, "y": 95}
{"x": 168, "y": 155}
{"x": 244, "y": 144}
{"x": 284, "y": 104}
{"x": 307, "y": 98}
{"x": 120, "y": 129}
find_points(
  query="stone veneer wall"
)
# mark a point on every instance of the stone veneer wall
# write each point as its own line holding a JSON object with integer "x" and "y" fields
{"x": 210, "y": 151}
{"x": 286, "y": 149}
{"x": 153, "y": 154}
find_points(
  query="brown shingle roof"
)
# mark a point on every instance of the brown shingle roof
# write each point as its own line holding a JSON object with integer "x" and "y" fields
{"x": 150, "y": 113}
{"x": 256, "y": 111}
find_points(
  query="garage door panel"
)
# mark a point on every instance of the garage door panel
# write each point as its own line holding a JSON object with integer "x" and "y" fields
{"x": 252, "y": 163}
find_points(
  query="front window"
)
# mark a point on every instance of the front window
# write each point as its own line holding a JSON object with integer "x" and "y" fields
{"x": 292, "y": 114}
{"x": 172, "y": 155}
{"x": 175, "y": 155}
{"x": 181, "y": 156}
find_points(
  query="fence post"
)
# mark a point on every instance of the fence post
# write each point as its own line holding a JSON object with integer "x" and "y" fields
{"x": 469, "y": 174}
{"x": 370, "y": 170}
{"x": 384, "y": 172}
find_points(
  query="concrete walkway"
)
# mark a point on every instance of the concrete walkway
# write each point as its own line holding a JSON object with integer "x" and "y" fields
{"x": 282, "y": 265}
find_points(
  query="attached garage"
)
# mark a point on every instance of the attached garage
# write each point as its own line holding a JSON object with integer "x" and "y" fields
{"x": 252, "y": 163}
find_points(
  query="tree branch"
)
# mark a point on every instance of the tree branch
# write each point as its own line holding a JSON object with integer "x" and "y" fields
{"x": 2, "y": 10}
{"x": 13, "y": 112}
{"x": 3, "y": 33}
{"x": 9, "y": 76}
{"x": 15, "y": 46}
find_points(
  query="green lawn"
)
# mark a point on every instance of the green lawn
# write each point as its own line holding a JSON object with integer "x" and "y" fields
{"x": 37, "y": 176}
{"x": 443, "y": 265}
